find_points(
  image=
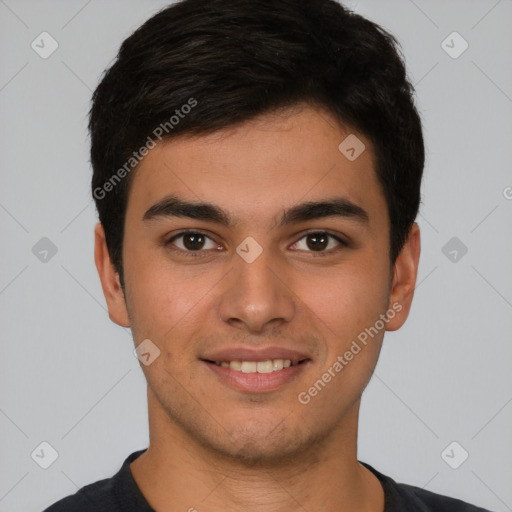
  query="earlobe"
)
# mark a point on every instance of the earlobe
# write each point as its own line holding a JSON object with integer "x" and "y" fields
{"x": 109, "y": 278}
{"x": 404, "y": 279}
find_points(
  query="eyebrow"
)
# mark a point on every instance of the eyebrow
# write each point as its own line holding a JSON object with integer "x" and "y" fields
{"x": 173, "y": 206}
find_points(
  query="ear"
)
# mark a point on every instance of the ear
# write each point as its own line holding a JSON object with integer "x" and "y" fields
{"x": 404, "y": 279}
{"x": 109, "y": 278}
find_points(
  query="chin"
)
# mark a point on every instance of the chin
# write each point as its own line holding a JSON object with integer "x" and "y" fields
{"x": 258, "y": 453}
{"x": 257, "y": 444}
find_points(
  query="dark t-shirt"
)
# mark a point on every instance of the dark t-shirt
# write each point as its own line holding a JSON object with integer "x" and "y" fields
{"x": 121, "y": 494}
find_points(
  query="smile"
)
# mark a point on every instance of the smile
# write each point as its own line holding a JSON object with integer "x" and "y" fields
{"x": 261, "y": 376}
{"x": 267, "y": 366}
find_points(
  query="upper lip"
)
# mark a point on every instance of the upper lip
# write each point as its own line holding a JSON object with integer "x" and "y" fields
{"x": 247, "y": 354}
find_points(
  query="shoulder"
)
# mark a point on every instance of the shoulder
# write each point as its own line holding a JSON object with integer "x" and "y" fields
{"x": 431, "y": 501}
{"x": 403, "y": 498}
{"x": 118, "y": 492}
{"x": 97, "y": 496}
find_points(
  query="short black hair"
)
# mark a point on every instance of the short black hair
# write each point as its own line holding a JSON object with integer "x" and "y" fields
{"x": 201, "y": 65}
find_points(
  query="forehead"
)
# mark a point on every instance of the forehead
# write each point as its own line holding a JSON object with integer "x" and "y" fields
{"x": 257, "y": 168}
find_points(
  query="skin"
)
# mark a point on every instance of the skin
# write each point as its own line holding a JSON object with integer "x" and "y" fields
{"x": 212, "y": 447}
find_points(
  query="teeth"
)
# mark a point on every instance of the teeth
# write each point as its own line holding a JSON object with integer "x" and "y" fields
{"x": 265, "y": 367}
{"x": 268, "y": 366}
{"x": 277, "y": 364}
{"x": 236, "y": 365}
{"x": 249, "y": 367}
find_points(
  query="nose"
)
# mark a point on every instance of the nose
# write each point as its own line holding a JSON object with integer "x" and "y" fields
{"x": 257, "y": 296}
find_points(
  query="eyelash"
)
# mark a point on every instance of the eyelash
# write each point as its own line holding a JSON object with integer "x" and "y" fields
{"x": 197, "y": 254}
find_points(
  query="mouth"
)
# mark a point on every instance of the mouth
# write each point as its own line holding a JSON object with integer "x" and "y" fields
{"x": 262, "y": 376}
{"x": 266, "y": 366}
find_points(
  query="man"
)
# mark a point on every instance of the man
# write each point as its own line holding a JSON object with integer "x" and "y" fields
{"x": 257, "y": 170}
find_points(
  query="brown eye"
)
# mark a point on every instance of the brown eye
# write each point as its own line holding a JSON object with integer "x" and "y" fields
{"x": 192, "y": 241}
{"x": 319, "y": 241}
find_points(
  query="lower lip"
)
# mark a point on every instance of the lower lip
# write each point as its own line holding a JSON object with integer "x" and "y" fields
{"x": 256, "y": 382}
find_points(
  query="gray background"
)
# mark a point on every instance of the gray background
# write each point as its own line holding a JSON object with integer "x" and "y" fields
{"x": 68, "y": 375}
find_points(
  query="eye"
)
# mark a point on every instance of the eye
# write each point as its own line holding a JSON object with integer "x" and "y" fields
{"x": 319, "y": 241}
{"x": 192, "y": 241}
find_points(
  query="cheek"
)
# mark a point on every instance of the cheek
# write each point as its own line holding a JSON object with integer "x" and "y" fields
{"x": 346, "y": 298}
{"x": 344, "y": 308}
{"x": 164, "y": 300}
{"x": 152, "y": 300}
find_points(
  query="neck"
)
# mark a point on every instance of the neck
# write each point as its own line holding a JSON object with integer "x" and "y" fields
{"x": 177, "y": 473}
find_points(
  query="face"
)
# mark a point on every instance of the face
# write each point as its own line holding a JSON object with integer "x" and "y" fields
{"x": 234, "y": 291}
